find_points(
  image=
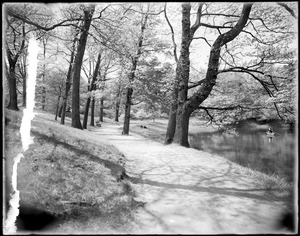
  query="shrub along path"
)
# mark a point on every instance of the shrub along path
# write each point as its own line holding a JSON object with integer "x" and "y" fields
{"x": 187, "y": 191}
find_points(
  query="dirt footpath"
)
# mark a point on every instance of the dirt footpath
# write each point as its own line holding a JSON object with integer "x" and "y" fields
{"x": 192, "y": 192}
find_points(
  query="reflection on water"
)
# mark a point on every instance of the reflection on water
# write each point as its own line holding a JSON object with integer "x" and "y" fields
{"x": 253, "y": 149}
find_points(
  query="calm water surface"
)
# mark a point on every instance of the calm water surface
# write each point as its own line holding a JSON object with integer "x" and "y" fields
{"x": 252, "y": 148}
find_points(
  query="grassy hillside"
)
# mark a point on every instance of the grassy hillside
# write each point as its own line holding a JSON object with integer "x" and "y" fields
{"x": 68, "y": 177}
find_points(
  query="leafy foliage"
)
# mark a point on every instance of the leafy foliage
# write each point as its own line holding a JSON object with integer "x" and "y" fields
{"x": 152, "y": 86}
{"x": 256, "y": 71}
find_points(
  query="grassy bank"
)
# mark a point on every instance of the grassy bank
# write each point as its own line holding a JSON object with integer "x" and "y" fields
{"x": 69, "y": 177}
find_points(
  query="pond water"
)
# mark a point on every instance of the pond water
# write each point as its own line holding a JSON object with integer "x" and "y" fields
{"x": 253, "y": 148}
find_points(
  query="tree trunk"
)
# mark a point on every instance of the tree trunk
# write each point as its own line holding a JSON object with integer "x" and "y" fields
{"x": 181, "y": 83}
{"x": 101, "y": 110}
{"x": 43, "y": 95}
{"x": 86, "y": 112}
{"x": 88, "y": 14}
{"x": 57, "y": 107}
{"x": 93, "y": 112}
{"x": 182, "y": 126}
{"x": 131, "y": 78}
{"x": 22, "y": 67}
{"x": 24, "y": 91}
{"x": 117, "y": 111}
{"x": 173, "y": 110}
{"x": 91, "y": 87}
{"x": 171, "y": 123}
{"x": 12, "y": 83}
{"x": 62, "y": 112}
{"x": 127, "y": 111}
{"x": 180, "y": 88}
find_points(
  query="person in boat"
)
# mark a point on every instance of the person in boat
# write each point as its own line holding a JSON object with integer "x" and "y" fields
{"x": 270, "y": 132}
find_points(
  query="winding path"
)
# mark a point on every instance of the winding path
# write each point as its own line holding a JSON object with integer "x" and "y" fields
{"x": 191, "y": 192}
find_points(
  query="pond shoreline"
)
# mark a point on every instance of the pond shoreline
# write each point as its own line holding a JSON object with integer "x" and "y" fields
{"x": 156, "y": 131}
{"x": 250, "y": 146}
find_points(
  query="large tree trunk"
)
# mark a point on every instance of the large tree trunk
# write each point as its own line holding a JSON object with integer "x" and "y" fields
{"x": 173, "y": 110}
{"x": 182, "y": 126}
{"x": 182, "y": 79}
{"x": 88, "y": 14}
{"x": 101, "y": 110}
{"x": 171, "y": 123}
{"x": 127, "y": 111}
{"x": 12, "y": 84}
{"x": 180, "y": 89}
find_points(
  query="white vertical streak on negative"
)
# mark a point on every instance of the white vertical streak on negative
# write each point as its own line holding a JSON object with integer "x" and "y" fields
{"x": 30, "y": 89}
{"x": 10, "y": 226}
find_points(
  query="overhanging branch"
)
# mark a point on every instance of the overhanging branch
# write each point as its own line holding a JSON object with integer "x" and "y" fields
{"x": 231, "y": 108}
{"x": 196, "y": 84}
{"x": 172, "y": 31}
{"x": 62, "y": 23}
{"x": 288, "y": 9}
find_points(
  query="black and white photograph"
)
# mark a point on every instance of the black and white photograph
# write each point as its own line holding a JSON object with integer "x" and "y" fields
{"x": 150, "y": 118}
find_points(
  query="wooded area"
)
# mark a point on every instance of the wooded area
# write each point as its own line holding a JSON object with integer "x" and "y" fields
{"x": 222, "y": 62}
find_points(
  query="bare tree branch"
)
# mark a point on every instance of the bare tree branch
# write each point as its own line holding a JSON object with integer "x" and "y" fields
{"x": 172, "y": 31}
{"x": 196, "y": 84}
{"x": 288, "y": 9}
{"x": 203, "y": 39}
{"x": 215, "y": 26}
{"x": 198, "y": 20}
{"x": 62, "y": 23}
